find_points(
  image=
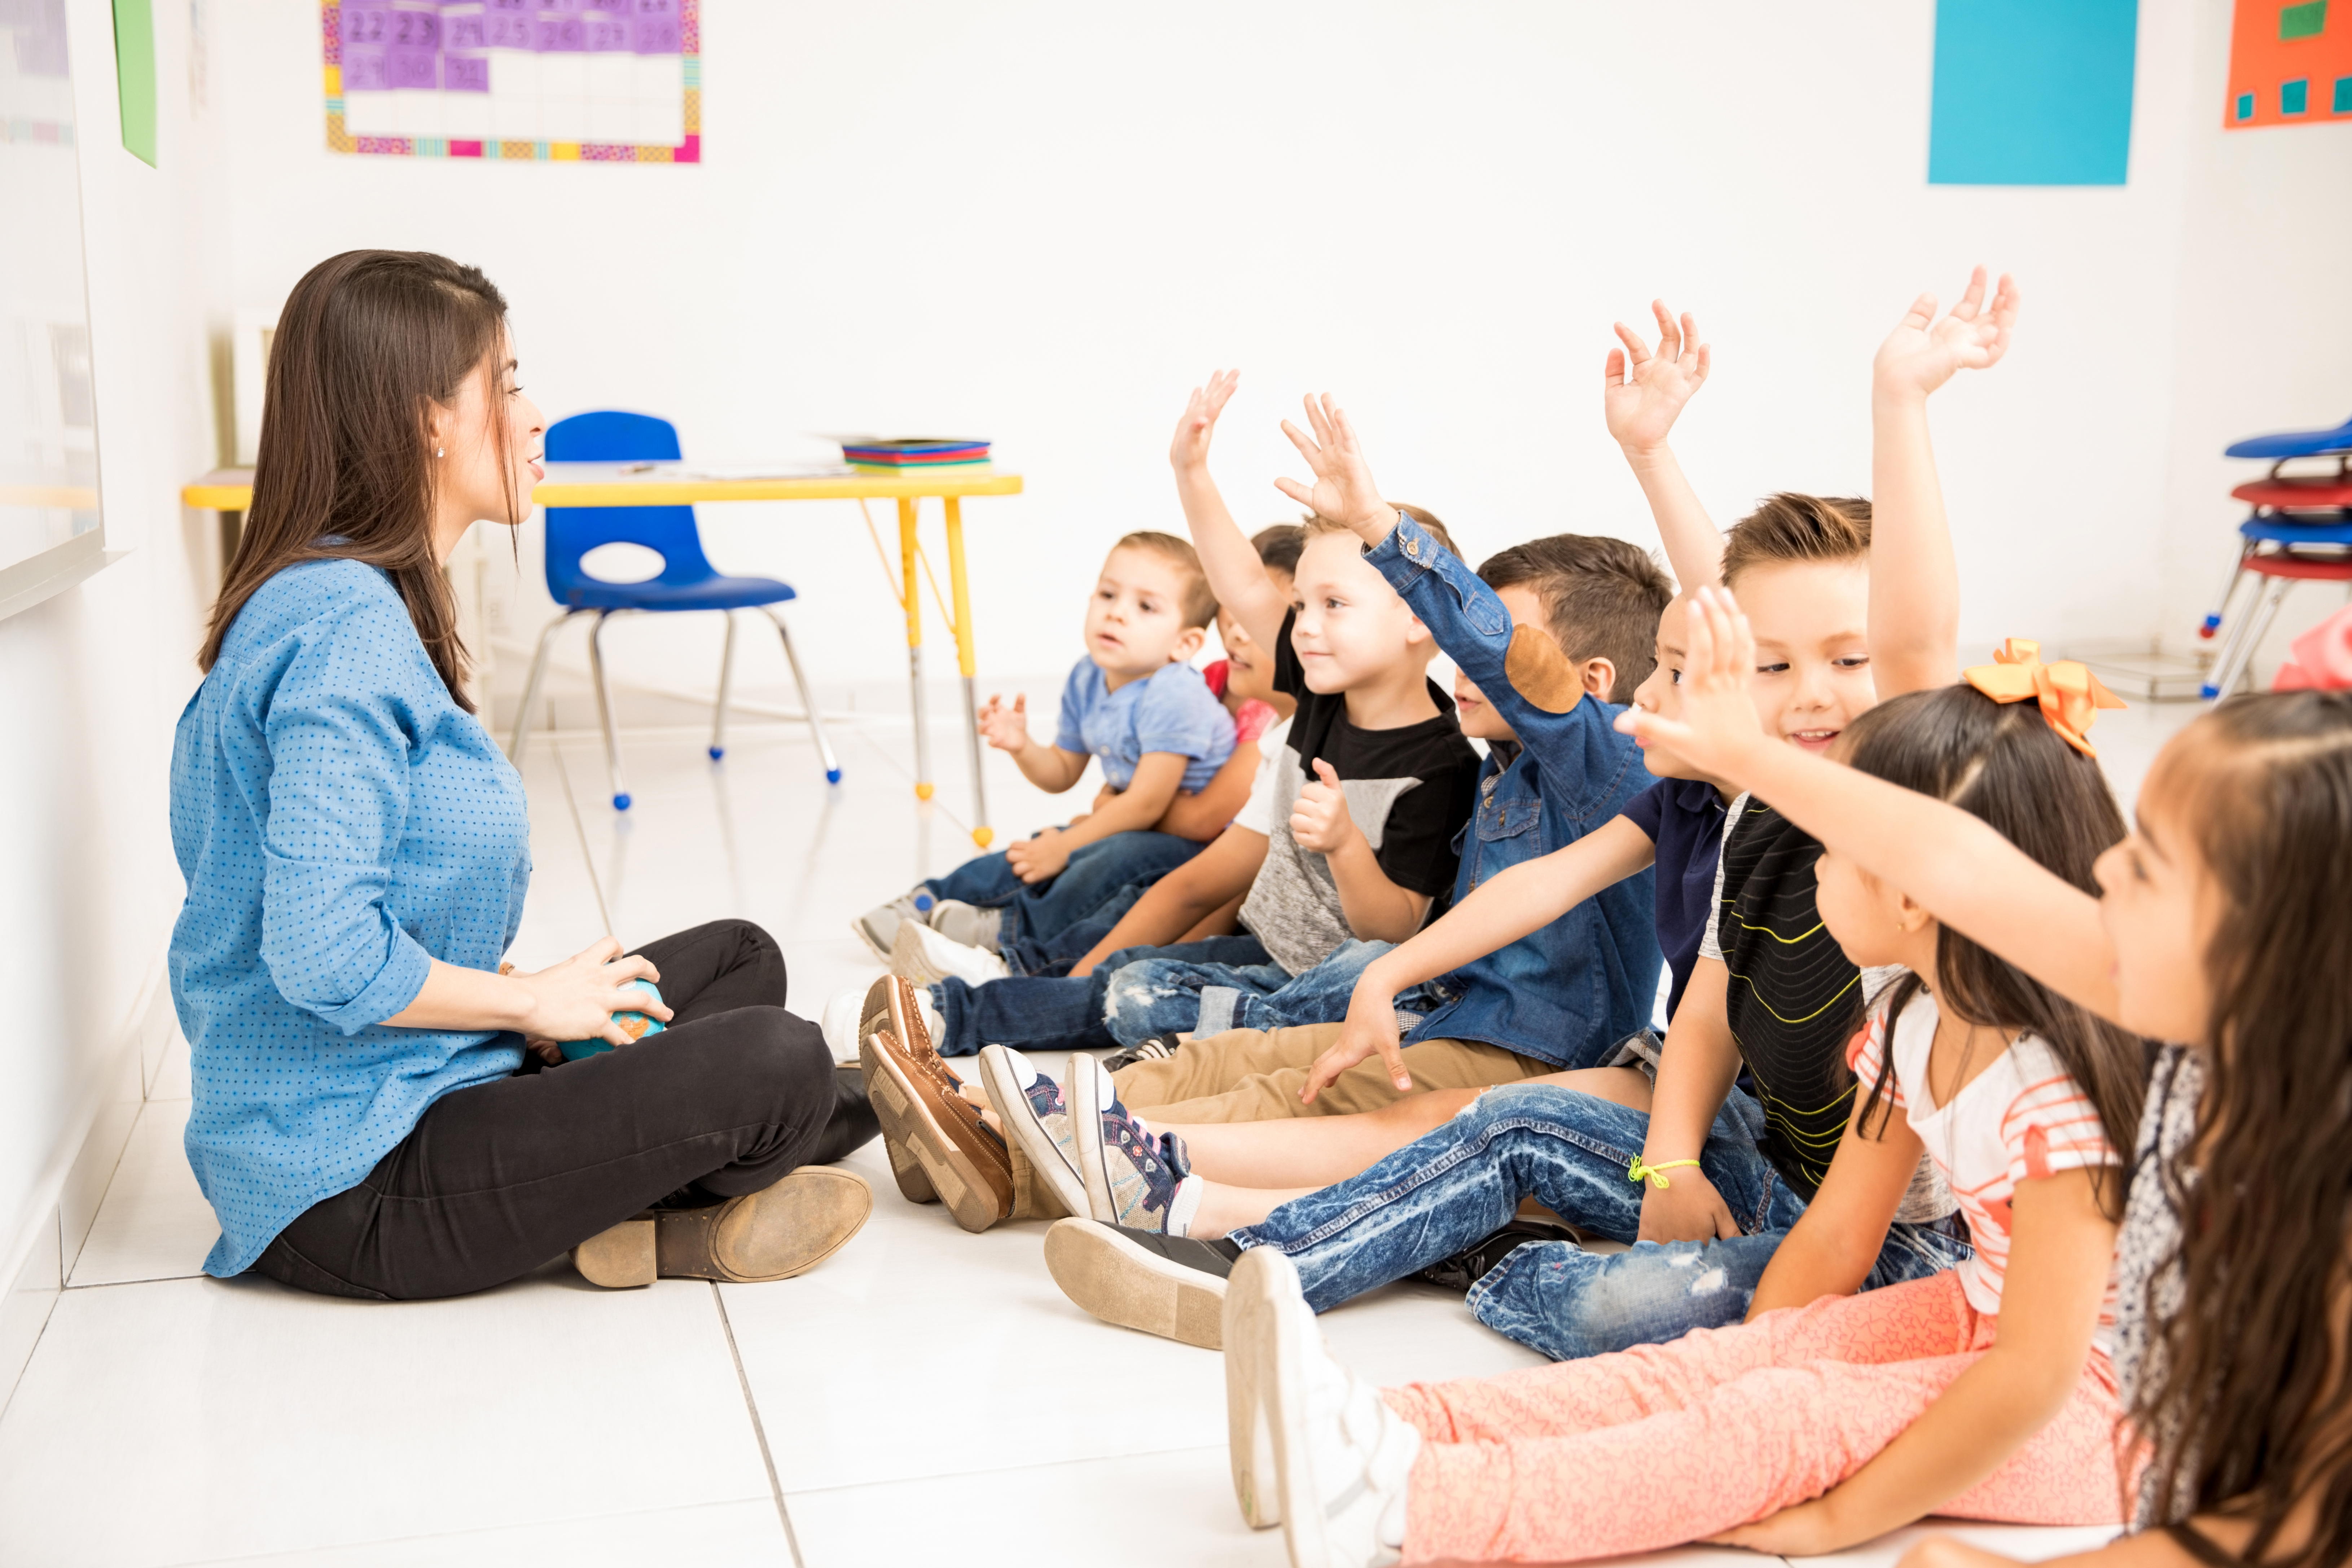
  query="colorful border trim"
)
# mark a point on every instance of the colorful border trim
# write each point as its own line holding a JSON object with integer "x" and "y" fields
{"x": 341, "y": 139}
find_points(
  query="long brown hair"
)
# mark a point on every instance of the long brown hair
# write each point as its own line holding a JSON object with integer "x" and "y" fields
{"x": 369, "y": 341}
{"x": 2004, "y": 764}
{"x": 2245, "y": 1396}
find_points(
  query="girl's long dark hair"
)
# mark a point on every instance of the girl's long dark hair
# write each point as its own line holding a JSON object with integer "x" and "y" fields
{"x": 2245, "y": 1395}
{"x": 369, "y": 341}
{"x": 2004, "y": 763}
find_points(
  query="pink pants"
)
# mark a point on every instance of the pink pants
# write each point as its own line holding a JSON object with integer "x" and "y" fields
{"x": 1667, "y": 1444}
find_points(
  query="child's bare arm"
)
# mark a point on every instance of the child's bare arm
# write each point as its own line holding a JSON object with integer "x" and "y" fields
{"x": 1836, "y": 1241}
{"x": 1237, "y": 576}
{"x": 1915, "y": 588}
{"x": 1184, "y": 898}
{"x": 1519, "y": 902}
{"x": 2060, "y": 1250}
{"x": 1225, "y": 920}
{"x": 1377, "y": 909}
{"x": 1203, "y": 814}
{"x": 1695, "y": 1070}
{"x": 1050, "y": 768}
{"x": 1643, "y": 396}
{"x": 1158, "y": 776}
{"x": 1967, "y": 875}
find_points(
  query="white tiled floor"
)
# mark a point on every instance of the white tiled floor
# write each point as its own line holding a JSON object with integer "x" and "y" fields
{"x": 916, "y": 1399}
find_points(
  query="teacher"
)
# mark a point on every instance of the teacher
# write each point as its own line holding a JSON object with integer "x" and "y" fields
{"x": 379, "y": 1112}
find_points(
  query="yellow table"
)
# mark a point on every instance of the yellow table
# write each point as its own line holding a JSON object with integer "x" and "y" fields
{"x": 610, "y": 484}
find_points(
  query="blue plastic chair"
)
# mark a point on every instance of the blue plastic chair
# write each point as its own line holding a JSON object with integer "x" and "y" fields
{"x": 2294, "y": 444}
{"x": 687, "y": 582}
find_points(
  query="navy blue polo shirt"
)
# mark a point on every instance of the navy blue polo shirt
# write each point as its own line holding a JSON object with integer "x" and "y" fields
{"x": 1684, "y": 818}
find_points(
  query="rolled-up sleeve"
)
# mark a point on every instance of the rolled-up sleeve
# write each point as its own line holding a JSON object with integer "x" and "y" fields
{"x": 338, "y": 801}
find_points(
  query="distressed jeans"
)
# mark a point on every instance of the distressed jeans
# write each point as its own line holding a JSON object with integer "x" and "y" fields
{"x": 1097, "y": 874}
{"x": 1169, "y": 993}
{"x": 1038, "y": 1013}
{"x": 1571, "y": 1151}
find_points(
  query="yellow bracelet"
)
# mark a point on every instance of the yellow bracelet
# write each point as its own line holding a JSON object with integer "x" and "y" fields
{"x": 1638, "y": 1171}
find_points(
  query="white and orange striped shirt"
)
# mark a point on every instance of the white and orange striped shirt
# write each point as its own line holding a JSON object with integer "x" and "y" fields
{"x": 2023, "y": 1117}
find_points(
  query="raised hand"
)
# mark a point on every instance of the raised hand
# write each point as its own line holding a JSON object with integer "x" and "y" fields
{"x": 1718, "y": 722}
{"x": 1343, "y": 488}
{"x": 1922, "y": 353}
{"x": 1644, "y": 392}
{"x": 1006, "y": 729}
{"x": 1320, "y": 821}
{"x": 1189, "y": 451}
{"x": 1370, "y": 1030}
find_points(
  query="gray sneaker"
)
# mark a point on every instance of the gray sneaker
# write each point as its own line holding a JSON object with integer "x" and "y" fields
{"x": 878, "y": 926}
{"x": 968, "y": 924}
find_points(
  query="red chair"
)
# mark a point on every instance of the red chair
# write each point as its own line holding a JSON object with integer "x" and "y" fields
{"x": 2300, "y": 530}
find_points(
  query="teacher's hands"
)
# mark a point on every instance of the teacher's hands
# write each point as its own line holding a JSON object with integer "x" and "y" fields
{"x": 576, "y": 1000}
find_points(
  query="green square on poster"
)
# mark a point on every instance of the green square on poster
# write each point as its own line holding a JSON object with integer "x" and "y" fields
{"x": 2306, "y": 21}
{"x": 134, "y": 74}
{"x": 2032, "y": 92}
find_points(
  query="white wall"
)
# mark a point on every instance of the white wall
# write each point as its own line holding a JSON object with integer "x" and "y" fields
{"x": 1043, "y": 222}
{"x": 91, "y": 680}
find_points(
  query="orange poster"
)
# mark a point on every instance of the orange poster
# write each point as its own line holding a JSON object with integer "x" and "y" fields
{"x": 2290, "y": 62}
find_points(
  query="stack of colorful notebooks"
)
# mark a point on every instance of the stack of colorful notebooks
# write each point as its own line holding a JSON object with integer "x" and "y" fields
{"x": 928, "y": 452}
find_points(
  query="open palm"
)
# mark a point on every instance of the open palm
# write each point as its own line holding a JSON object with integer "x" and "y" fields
{"x": 1343, "y": 488}
{"x": 1190, "y": 450}
{"x": 1922, "y": 353}
{"x": 1643, "y": 392}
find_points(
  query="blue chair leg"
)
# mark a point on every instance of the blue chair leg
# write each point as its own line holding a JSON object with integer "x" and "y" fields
{"x": 605, "y": 711}
{"x": 2215, "y": 617}
{"x": 808, "y": 699}
{"x": 530, "y": 687}
{"x": 726, "y": 689}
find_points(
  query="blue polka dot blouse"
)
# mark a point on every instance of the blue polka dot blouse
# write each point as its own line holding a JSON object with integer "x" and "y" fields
{"x": 341, "y": 822}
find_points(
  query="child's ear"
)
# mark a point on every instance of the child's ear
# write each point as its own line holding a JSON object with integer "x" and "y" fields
{"x": 1189, "y": 644}
{"x": 1911, "y": 917}
{"x": 1415, "y": 633}
{"x": 1600, "y": 678}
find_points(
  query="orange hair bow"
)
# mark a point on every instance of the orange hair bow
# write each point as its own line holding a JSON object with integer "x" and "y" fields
{"x": 2070, "y": 695}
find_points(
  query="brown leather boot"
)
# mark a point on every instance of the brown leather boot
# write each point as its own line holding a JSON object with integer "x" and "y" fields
{"x": 923, "y": 1111}
{"x": 773, "y": 1234}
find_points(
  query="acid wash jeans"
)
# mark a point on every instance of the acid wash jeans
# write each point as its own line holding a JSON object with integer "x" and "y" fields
{"x": 1164, "y": 995}
{"x": 1571, "y": 1151}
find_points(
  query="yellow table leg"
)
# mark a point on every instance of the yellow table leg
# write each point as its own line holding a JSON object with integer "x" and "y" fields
{"x": 910, "y": 584}
{"x": 982, "y": 833}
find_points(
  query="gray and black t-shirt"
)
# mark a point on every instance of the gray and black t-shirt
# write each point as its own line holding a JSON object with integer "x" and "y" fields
{"x": 1410, "y": 791}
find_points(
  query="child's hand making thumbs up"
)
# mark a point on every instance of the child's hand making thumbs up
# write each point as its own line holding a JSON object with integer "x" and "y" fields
{"x": 1320, "y": 821}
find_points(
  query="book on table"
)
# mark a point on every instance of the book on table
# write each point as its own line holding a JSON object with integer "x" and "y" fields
{"x": 913, "y": 452}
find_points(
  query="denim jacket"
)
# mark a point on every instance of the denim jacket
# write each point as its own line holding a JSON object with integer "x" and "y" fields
{"x": 1569, "y": 993}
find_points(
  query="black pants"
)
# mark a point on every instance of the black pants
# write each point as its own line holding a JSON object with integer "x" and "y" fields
{"x": 497, "y": 1179}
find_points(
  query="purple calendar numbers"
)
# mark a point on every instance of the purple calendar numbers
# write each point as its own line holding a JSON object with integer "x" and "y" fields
{"x": 607, "y": 34}
{"x": 363, "y": 69}
{"x": 464, "y": 27}
{"x": 366, "y": 25}
{"x": 414, "y": 29}
{"x": 557, "y": 33}
{"x": 507, "y": 23}
{"x": 657, "y": 28}
{"x": 412, "y": 67}
{"x": 464, "y": 72}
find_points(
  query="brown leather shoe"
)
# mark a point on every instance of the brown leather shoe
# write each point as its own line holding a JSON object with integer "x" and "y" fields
{"x": 891, "y": 1004}
{"x": 773, "y": 1234}
{"x": 924, "y": 1113}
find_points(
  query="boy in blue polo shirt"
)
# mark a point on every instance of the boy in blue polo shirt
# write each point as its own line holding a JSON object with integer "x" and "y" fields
{"x": 1135, "y": 707}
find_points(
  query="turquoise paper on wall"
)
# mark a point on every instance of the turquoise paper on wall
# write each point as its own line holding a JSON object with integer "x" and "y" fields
{"x": 2032, "y": 92}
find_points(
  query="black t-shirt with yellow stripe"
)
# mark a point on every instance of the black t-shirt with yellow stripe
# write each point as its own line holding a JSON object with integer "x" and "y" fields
{"x": 1793, "y": 999}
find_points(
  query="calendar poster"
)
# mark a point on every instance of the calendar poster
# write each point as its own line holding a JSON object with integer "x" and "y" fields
{"x": 562, "y": 80}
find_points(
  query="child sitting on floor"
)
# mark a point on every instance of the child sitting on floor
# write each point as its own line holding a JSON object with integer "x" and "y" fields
{"x": 1134, "y": 705}
{"x": 1829, "y": 1417}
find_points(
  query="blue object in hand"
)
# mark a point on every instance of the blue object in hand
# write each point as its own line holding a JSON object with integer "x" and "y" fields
{"x": 638, "y": 1024}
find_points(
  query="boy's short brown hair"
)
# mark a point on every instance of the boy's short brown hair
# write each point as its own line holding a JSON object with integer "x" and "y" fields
{"x": 1277, "y": 547}
{"x": 1789, "y": 528}
{"x": 1315, "y": 523}
{"x": 1602, "y": 598}
{"x": 1199, "y": 605}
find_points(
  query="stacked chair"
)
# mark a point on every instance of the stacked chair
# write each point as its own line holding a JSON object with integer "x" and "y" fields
{"x": 2300, "y": 530}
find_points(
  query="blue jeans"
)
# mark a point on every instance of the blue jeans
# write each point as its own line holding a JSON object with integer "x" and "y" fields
{"x": 1571, "y": 1151}
{"x": 1039, "y": 1013}
{"x": 1097, "y": 873}
{"x": 1054, "y": 955}
{"x": 1167, "y": 991}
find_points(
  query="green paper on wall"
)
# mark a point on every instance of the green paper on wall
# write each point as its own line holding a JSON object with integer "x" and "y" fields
{"x": 134, "y": 74}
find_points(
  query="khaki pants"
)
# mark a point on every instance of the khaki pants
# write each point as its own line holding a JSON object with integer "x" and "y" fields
{"x": 1256, "y": 1075}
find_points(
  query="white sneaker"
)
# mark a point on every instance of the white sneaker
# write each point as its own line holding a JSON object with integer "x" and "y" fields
{"x": 1343, "y": 1459}
{"x": 840, "y": 1025}
{"x": 924, "y": 956}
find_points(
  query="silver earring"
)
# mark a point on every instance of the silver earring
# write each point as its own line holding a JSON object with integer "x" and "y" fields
{"x": 437, "y": 451}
